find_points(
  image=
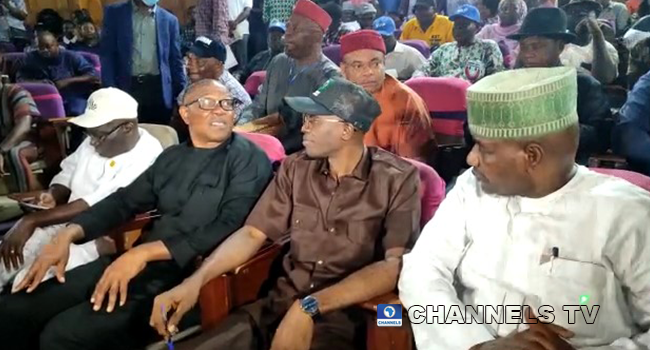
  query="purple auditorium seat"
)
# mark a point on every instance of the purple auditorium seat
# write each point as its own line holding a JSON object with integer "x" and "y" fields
{"x": 93, "y": 59}
{"x": 333, "y": 52}
{"x": 47, "y": 98}
{"x": 7, "y": 47}
{"x": 419, "y": 45}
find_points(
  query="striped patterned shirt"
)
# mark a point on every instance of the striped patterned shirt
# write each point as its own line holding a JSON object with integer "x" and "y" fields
{"x": 277, "y": 10}
{"x": 20, "y": 104}
{"x": 212, "y": 20}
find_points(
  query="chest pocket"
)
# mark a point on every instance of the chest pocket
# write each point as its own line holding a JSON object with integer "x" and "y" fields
{"x": 305, "y": 240}
{"x": 572, "y": 282}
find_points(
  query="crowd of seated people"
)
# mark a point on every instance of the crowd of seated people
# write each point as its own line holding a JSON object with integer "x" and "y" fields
{"x": 528, "y": 220}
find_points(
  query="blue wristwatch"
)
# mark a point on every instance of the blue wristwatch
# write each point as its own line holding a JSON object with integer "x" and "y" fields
{"x": 309, "y": 305}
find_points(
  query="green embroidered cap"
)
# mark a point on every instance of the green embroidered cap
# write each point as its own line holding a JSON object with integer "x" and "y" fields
{"x": 523, "y": 103}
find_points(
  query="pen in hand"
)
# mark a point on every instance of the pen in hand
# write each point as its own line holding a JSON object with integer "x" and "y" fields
{"x": 168, "y": 338}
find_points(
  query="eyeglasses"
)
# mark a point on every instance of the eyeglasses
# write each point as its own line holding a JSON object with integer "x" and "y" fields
{"x": 311, "y": 120}
{"x": 209, "y": 104}
{"x": 96, "y": 140}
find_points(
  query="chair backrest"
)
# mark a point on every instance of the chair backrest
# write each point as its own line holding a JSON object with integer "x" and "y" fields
{"x": 93, "y": 59}
{"x": 419, "y": 45}
{"x": 254, "y": 81}
{"x": 432, "y": 190}
{"x": 446, "y": 100}
{"x": 165, "y": 134}
{"x": 269, "y": 144}
{"x": 11, "y": 63}
{"x": 47, "y": 98}
{"x": 630, "y": 176}
{"x": 333, "y": 52}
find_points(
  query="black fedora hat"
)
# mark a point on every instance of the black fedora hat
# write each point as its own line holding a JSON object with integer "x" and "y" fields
{"x": 590, "y": 5}
{"x": 548, "y": 22}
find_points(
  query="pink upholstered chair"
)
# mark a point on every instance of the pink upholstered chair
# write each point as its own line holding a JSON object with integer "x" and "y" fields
{"x": 419, "y": 45}
{"x": 253, "y": 83}
{"x": 432, "y": 190}
{"x": 630, "y": 176}
{"x": 272, "y": 146}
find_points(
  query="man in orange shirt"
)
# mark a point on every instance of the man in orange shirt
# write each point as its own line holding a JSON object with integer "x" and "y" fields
{"x": 404, "y": 126}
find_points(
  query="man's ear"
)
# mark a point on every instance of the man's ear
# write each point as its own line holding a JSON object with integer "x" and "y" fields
{"x": 184, "y": 113}
{"x": 534, "y": 155}
{"x": 348, "y": 132}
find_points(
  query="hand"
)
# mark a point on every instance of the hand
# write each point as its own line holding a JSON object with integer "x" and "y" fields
{"x": 11, "y": 248}
{"x": 62, "y": 84}
{"x": 115, "y": 280}
{"x": 592, "y": 24}
{"x": 295, "y": 331}
{"x": 539, "y": 336}
{"x": 55, "y": 254}
{"x": 95, "y": 81}
{"x": 177, "y": 301}
{"x": 46, "y": 199}
{"x": 232, "y": 26}
{"x": 2, "y": 165}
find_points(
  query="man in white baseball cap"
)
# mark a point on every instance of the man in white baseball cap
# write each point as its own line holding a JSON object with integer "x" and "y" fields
{"x": 114, "y": 154}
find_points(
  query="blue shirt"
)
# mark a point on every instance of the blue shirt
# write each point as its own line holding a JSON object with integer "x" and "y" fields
{"x": 632, "y": 132}
{"x": 67, "y": 64}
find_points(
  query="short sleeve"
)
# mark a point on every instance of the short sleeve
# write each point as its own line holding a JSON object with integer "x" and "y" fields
{"x": 68, "y": 166}
{"x": 272, "y": 212}
{"x": 402, "y": 223}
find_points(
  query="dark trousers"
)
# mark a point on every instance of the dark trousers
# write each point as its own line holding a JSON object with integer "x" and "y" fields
{"x": 60, "y": 317}
{"x": 252, "y": 328}
{"x": 240, "y": 50}
{"x": 147, "y": 90}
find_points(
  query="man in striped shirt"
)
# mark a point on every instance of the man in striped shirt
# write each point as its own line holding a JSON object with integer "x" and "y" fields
{"x": 17, "y": 148}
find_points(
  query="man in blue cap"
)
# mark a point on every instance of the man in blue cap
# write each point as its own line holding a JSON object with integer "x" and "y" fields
{"x": 275, "y": 42}
{"x": 401, "y": 60}
{"x": 468, "y": 58}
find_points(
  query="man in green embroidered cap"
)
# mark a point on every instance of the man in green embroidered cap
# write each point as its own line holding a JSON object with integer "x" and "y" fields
{"x": 350, "y": 212}
{"x": 527, "y": 227}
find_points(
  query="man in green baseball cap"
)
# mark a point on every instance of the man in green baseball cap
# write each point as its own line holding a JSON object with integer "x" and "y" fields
{"x": 350, "y": 213}
{"x": 528, "y": 233}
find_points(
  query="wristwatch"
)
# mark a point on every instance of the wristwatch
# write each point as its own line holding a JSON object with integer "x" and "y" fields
{"x": 309, "y": 305}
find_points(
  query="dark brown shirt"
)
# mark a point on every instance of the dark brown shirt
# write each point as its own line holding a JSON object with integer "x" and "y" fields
{"x": 338, "y": 228}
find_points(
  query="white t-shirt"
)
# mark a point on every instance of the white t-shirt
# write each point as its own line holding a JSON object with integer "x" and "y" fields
{"x": 92, "y": 177}
{"x": 235, "y": 8}
{"x": 404, "y": 61}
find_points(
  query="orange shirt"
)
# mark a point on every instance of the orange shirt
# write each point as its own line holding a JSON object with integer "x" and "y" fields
{"x": 404, "y": 126}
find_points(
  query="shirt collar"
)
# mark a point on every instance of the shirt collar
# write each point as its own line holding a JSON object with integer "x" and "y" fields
{"x": 151, "y": 11}
{"x": 360, "y": 172}
{"x": 399, "y": 47}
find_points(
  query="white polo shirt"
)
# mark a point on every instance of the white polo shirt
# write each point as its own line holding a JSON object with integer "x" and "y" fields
{"x": 404, "y": 61}
{"x": 235, "y": 8}
{"x": 92, "y": 177}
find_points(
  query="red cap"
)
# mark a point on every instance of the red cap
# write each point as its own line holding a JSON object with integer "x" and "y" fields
{"x": 314, "y": 12}
{"x": 360, "y": 40}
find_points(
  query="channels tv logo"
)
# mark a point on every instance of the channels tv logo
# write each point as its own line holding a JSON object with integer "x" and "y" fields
{"x": 389, "y": 315}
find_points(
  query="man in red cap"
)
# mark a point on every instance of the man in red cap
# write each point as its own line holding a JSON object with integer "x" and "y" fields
{"x": 404, "y": 126}
{"x": 297, "y": 72}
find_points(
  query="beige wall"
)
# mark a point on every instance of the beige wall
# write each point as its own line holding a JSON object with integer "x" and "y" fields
{"x": 65, "y": 7}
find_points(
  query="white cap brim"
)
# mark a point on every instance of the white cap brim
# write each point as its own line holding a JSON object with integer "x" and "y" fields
{"x": 92, "y": 119}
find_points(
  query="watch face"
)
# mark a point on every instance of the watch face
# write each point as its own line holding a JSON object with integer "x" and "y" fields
{"x": 309, "y": 305}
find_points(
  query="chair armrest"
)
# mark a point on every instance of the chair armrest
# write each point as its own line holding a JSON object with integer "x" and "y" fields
{"x": 237, "y": 288}
{"x": 611, "y": 161}
{"x": 119, "y": 235}
{"x": 386, "y": 338}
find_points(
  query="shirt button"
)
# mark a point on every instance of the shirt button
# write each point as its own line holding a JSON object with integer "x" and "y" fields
{"x": 297, "y": 221}
{"x": 320, "y": 262}
{"x": 332, "y": 230}
{"x": 311, "y": 285}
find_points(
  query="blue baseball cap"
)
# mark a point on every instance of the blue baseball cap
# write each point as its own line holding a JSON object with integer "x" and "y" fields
{"x": 384, "y": 25}
{"x": 467, "y": 11}
{"x": 275, "y": 24}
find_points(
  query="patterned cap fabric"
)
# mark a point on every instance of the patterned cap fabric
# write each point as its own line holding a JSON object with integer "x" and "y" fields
{"x": 523, "y": 103}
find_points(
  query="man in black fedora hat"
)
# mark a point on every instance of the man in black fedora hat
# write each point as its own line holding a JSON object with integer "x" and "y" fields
{"x": 542, "y": 38}
{"x": 590, "y": 50}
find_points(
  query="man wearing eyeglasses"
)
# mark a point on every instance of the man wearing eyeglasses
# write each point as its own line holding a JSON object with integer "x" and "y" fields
{"x": 351, "y": 212}
{"x": 404, "y": 126}
{"x": 114, "y": 154}
{"x": 203, "y": 190}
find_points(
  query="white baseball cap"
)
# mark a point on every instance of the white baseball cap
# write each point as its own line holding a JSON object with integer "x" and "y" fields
{"x": 105, "y": 106}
